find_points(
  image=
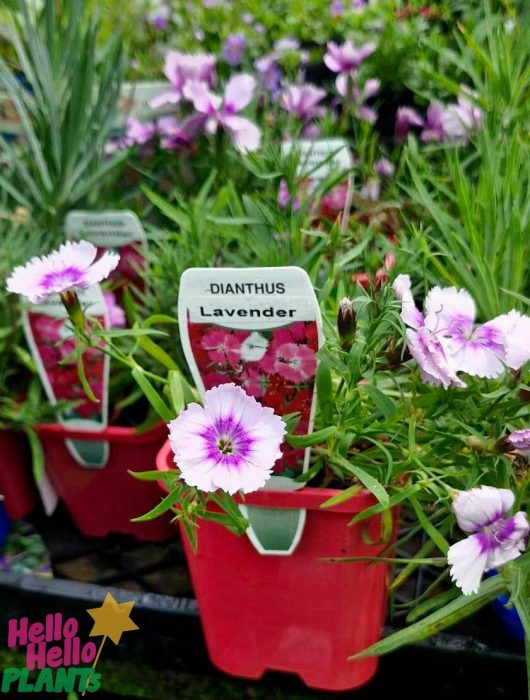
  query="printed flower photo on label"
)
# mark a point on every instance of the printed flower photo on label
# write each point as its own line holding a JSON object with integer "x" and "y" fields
{"x": 275, "y": 366}
{"x": 56, "y": 345}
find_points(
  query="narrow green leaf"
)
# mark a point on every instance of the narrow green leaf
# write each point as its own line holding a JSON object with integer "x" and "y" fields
{"x": 300, "y": 441}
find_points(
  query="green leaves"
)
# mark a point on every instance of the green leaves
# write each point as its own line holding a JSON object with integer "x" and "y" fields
{"x": 455, "y": 611}
{"x": 152, "y": 394}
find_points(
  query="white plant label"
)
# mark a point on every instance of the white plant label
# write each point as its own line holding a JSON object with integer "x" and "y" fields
{"x": 259, "y": 328}
{"x": 320, "y": 157}
{"x": 105, "y": 229}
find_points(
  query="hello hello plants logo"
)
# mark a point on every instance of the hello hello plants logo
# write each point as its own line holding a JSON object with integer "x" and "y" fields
{"x": 58, "y": 660}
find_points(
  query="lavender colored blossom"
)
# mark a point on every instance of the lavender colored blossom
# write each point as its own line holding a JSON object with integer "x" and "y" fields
{"x": 384, "y": 167}
{"x": 520, "y": 440}
{"x": 284, "y": 197}
{"x": 234, "y": 48}
{"x": 452, "y": 122}
{"x": 495, "y": 539}
{"x": 303, "y": 101}
{"x": 336, "y": 9}
{"x": 345, "y": 58}
{"x": 223, "y": 111}
{"x": 406, "y": 118}
{"x": 159, "y": 14}
{"x": 515, "y": 328}
{"x": 455, "y": 343}
{"x": 179, "y": 69}
{"x": 115, "y": 312}
{"x": 232, "y": 443}
{"x": 138, "y": 133}
{"x": 348, "y": 87}
{"x": 270, "y": 74}
{"x": 259, "y": 28}
{"x": 247, "y": 18}
{"x": 72, "y": 265}
{"x": 174, "y": 134}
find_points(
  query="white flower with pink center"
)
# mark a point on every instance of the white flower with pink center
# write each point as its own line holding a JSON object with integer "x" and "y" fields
{"x": 495, "y": 539}
{"x": 296, "y": 363}
{"x": 73, "y": 265}
{"x": 232, "y": 443}
{"x": 222, "y": 346}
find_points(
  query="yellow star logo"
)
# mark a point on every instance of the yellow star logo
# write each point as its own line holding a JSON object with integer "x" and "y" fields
{"x": 112, "y": 619}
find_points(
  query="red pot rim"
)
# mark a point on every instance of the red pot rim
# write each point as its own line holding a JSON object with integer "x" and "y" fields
{"x": 113, "y": 433}
{"x": 307, "y": 498}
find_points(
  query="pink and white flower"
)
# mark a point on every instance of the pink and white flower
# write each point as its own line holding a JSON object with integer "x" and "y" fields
{"x": 232, "y": 443}
{"x": 348, "y": 86}
{"x": 406, "y": 118}
{"x": 345, "y": 58}
{"x": 72, "y": 265}
{"x": 515, "y": 328}
{"x": 179, "y": 69}
{"x": 303, "y": 101}
{"x": 444, "y": 340}
{"x": 495, "y": 539}
{"x": 222, "y": 346}
{"x": 253, "y": 382}
{"x": 296, "y": 363}
{"x": 115, "y": 312}
{"x": 520, "y": 440}
{"x": 223, "y": 111}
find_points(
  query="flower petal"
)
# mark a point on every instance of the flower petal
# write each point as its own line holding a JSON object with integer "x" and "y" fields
{"x": 480, "y": 507}
{"x": 239, "y": 92}
{"x": 468, "y": 562}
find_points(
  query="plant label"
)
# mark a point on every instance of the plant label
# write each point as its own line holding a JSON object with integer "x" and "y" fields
{"x": 319, "y": 159}
{"x": 120, "y": 230}
{"x": 259, "y": 328}
{"x": 135, "y": 99}
{"x": 50, "y": 338}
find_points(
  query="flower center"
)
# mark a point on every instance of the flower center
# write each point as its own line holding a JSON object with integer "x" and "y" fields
{"x": 225, "y": 445}
{"x": 68, "y": 276}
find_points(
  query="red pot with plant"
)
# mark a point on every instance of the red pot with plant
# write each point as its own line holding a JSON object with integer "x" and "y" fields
{"x": 105, "y": 499}
{"x": 16, "y": 480}
{"x": 299, "y": 613}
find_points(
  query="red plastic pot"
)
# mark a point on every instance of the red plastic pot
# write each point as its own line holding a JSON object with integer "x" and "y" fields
{"x": 104, "y": 500}
{"x": 297, "y": 613}
{"x": 16, "y": 480}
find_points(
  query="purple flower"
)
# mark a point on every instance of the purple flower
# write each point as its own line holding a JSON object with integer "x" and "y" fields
{"x": 347, "y": 86}
{"x": 179, "y": 69}
{"x": 159, "y": 15}
{"x": 336, "y": 9}
{"x": 247, "y": 18}
{"x": 406, "y": 118}
{"x": 174, "y": 134}
{"x": 284, "y": 197}
{"x": 73, "y": 265}
{"x": 345, "y": 58}
{"x": 384, "y": 167}
{"x": 455, "y": 344}
{"x": 270, "y": 74}
{"x": 233, "y": 49}
{"x": 222, "y": 111}
{"x": 452, "y": 122}
{"x": 520, "y": 441}
{"x": 115, "y": 313}
{"x": 259, "y": 28}
{"x": 303, "y": 101}
{"x": 495, "y": 539}
{"x": 515, "y": 328}
{"x": 232, "y": 443}
{"x": 138, "y": 133}
{"x": 435, "y": 363}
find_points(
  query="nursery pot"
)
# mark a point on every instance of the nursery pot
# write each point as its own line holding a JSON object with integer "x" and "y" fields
{"x": 103, "y": 500}
{"x": 16, "y": 480}
{"x": 296, "y": 613}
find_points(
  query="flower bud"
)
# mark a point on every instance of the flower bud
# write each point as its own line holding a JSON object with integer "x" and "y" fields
{"x": 346, "y": 322}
